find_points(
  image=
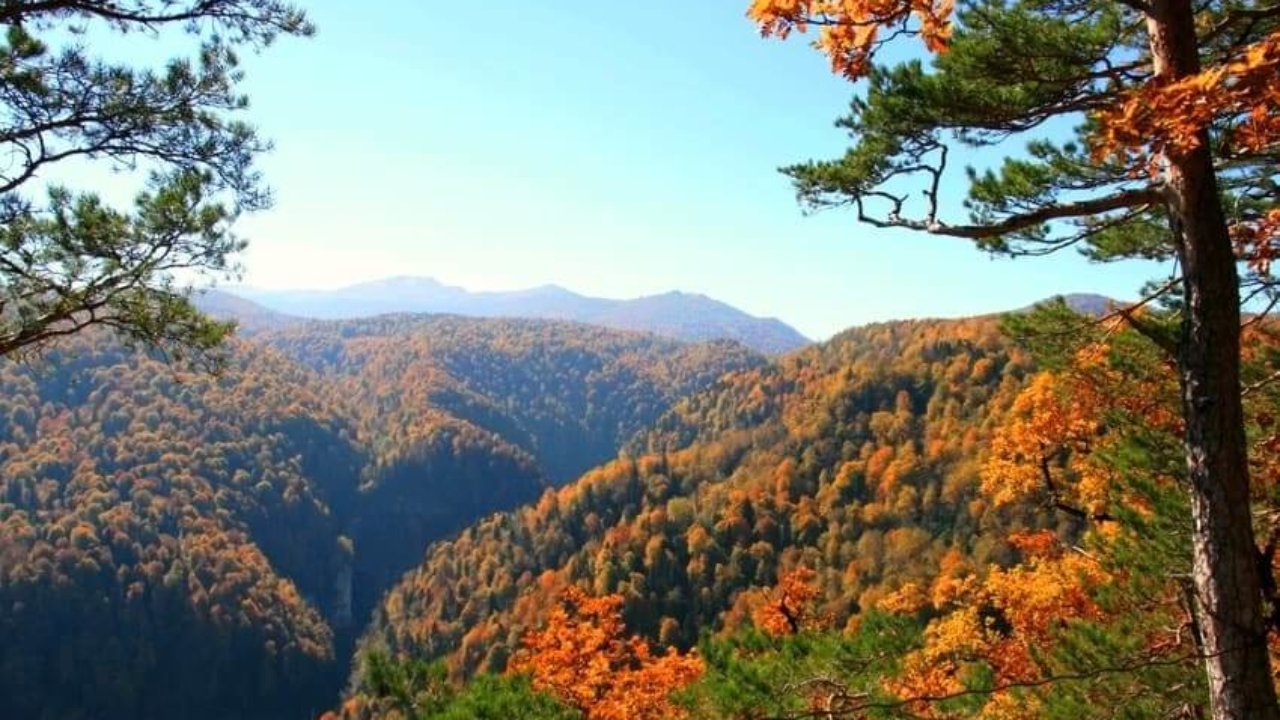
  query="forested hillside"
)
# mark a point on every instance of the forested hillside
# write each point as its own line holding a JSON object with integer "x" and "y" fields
{"x": 917, "y": 519}
{"x": 858, "y": 458}
{"x": 567, "y": 394}
{"x": 484, "y": 414}
{"x": 539, "y": 505}
{"x": 171, "y": 542}
{"x": 181, "y": 544}
{"x": 917, "y": 509}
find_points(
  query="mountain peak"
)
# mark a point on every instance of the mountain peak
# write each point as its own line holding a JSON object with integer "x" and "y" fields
{"x": 1084, "y": 303}
{"x": 676, "y": 314}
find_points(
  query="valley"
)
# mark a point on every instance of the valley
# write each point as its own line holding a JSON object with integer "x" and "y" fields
{"x": 429, "y": 489}
{"x": 226, "y": 496}
{"x": 259, "y": 515}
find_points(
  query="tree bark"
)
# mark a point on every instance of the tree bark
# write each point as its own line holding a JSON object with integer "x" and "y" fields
{"x": 1225, "y": 567}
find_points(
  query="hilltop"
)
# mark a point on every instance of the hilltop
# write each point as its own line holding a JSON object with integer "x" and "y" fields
{"x": 682, "y": 316}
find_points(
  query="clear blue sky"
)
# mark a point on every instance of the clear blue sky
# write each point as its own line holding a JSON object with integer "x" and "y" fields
{"x": 617, "y": 149}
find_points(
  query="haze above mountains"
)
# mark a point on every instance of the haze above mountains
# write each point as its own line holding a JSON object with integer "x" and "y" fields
{"x": 679, "y": 315}
{"x": 691, "y": 317}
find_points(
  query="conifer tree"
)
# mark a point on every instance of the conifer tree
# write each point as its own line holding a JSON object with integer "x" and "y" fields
{"x": 68, "y": 260}
{"x": 1174, "y": 158}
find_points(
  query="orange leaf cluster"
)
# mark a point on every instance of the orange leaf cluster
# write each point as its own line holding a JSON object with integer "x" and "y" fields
{"x": 1043, "y": 544}
{"x": 584, "y": 657}
{"x": 791, "y": 608}
{"x": 909, "y": 599}
{"x": 850, "y": 29}
{"x": 1000, "y": 624}
{"x": 1049, "y": 424}
{"x": 360, "y": 708}
{"x": 1258, "y": 242}
{"x": 1049, "y": 446}
{"x": 953, "y": 586}
{"x": 1167, "y": 117}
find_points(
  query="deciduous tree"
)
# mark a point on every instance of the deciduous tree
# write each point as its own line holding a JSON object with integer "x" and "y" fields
{"x": 584, "y": 657}
{"x": 790, "y": 609}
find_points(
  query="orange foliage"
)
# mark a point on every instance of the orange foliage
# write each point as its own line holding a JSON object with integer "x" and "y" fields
{"x": 1258, "y": 241}
{"x": 1166, "y": 117}
{"x": 850, "y": 29}
{"x": 747, "y": 499}
{"x": 1049, "y": 424}
{"x": 584, "y": 658}
{"x": 1001, "y": 623}
{"x": 790, "y": 610}
{"x": 1043, "y": 544}
{"x": 998, "y": 628}
{"x": 1049, "y": 446}
{"x": 906, "y": 600}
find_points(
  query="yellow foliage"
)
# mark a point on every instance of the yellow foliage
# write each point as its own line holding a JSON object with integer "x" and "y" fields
{"x": 1048, "y": 423}
{"x": 906, "y": 600}
{"x": 999, "y": 621}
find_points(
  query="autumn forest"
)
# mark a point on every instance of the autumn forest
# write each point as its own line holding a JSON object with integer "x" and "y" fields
{"x": 547, "y": 506}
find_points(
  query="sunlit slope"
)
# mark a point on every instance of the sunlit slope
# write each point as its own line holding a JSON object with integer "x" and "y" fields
{"x": 858, "y": 457}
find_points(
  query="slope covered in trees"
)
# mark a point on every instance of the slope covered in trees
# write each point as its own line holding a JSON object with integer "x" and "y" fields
{"x": 1016, "y": 548}
{"x": 1101, "y": 620}
{"x": 858, "y": 458}
{"x": 178, "y": 544}
{"x": 567, "y": 394}
{"x": 449, "y": 406}
{"x": 165, "y": 526}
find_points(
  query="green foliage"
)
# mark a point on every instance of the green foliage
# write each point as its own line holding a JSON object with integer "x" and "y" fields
{"x": 749, "y": 674}
{"x": 492, "y": 697}
{"x": 417, "y": 690}
{"x": 1013, "y": 71}
{"x": 70, "y": 261}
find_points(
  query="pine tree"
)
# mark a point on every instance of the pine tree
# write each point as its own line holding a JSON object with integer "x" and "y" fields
{"x": 69, "y": 260}
{"x": 1173, "y": 159}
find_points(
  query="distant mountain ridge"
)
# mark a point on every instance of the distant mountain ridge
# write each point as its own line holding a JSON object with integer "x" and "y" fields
{"x": 683, "y": 316}
{"x": 1083, "y": 303}
{"x": 248, "y": 314}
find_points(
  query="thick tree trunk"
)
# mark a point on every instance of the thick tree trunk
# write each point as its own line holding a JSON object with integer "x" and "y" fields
{"x": 1225, "y": 567}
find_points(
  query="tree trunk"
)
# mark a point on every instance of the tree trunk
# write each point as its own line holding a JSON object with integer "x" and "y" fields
{"x": 1225, "y": 563}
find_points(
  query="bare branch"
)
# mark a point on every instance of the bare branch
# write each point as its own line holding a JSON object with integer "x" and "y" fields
{"x": 1084, "y": 208}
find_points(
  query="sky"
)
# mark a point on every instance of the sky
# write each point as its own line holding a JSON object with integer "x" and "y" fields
{"x": 616, "y": 149}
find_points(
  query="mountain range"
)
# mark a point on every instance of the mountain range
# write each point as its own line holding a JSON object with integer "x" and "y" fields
{"x": 683, "y": 316}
